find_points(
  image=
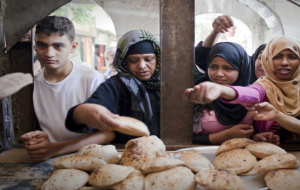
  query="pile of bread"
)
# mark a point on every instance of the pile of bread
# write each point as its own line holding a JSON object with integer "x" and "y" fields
{"x": 145, "y": 165}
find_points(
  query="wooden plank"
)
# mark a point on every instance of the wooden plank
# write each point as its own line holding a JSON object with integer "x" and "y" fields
{"x": 177, "y": 47}
{"x": 20, "y": 59}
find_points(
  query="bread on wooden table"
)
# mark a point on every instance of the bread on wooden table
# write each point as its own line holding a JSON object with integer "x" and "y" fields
{"x": 108, "y": 153}
{"x": 66, "y": 179}
{"x": 80, "y": 162}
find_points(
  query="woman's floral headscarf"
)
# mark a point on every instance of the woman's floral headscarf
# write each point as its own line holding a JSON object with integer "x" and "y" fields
{"x": 137, "y": 88}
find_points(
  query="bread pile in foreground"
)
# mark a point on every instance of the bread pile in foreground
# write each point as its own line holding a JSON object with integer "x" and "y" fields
{"x": 145, "y": 165}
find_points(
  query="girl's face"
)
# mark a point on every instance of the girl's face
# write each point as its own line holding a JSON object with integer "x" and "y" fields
{"x": 259, "y": 72}
{"x": 142, "y": 66}
{"x": 221, "y": 72}
{"x": 285, "y": 64}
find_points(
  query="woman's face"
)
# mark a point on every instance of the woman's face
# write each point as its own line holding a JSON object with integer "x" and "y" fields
{"x": 142, "y": 66}
{"x": 221, "y": 72}
{"x": 259, "y": 71}
{"x": 285, "y": 63}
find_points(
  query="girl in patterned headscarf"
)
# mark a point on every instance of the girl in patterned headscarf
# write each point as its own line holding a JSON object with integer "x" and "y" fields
{"x": 135, "y": 90}
{"x": 280, "y": 86}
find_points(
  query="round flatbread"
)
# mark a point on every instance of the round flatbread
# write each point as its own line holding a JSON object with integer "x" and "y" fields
{"x": 108, "y": 153}
{"x": 79, "y": 162}
{"x": 135, "y": 181}
{"x": 236, "y": 161}
{"x": 195, "y": 161}
{"x": 264, "y": 149}
{"x": 160, "y": 163}
{"x": 234, "y": 143}
{"x": 176, "y": 178}
{"x": 67, "y": 179}
{"x": 219, "y": 179}
{"x": 277, "y": 161}
{"x": 139, "y": 150}
{"x": 109, "y": 174}
{"x": 287, "y": 179}
{"x": 132, "y": 126}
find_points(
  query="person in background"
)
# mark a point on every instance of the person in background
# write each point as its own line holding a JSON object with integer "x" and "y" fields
{"x": 133, "y": 92}
{"x": 280, "y": 86}
{"x": 109, "y": 55}
{"x": 256, "y": 66}
{"x": 60, "y": 85}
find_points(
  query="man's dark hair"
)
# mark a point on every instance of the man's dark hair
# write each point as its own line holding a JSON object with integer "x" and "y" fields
{"x": 56, "y": 25}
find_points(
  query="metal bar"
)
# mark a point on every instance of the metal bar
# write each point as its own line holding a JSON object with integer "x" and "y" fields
{"x": 177, "y": 50}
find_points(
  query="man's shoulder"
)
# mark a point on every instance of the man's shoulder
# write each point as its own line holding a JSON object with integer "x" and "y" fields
{"x": 88, "y": 72}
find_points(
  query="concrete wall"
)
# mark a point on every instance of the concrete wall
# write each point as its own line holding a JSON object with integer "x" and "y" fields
{"x": 136, "y": 14}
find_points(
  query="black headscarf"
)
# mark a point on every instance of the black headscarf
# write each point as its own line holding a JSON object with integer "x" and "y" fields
{"x": 230, "y": 114}
{"x": 253, "y": 59}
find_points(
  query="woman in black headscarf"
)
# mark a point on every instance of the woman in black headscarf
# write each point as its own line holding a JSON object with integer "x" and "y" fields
{"x": 228, "y": 64}
{"x": 256, "y": 66}
{"x": 133, "y": 92}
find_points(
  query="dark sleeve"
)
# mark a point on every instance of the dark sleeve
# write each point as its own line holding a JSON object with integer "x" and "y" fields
{"x": 107, "y": 95}
{"x": 201, "y": 54}
{"x": 201, "y": 139}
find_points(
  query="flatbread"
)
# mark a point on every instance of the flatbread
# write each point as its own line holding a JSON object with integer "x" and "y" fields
{"x": 109, "y": 174}
{"x": 236, "y": 161}
{"x": 277, "y": 161}
{"x": 79, "y": 162}
{"x": 219, "y": 179}
{"x": 66, "y": 179}
{"x": 139, "y": 150}
{"x": 132, "y": 126}
{"x": 176, "y": 178}
{"x": 195, "y": 161}
{"x": 264, "y": 149}
{"x": 135, "y": 181}
{"x": 108, "y": 153}
{"x": 234, "y": 143}
{"x": 160, "y": 163}
{"x": 287, "y": 179}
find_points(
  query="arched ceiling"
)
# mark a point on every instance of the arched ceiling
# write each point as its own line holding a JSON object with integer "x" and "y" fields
{"x": 270, "y": 18}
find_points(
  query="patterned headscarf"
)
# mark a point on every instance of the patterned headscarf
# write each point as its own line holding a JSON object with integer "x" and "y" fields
{"x": 139, "y": 96}
{"x": 282, "y": 94}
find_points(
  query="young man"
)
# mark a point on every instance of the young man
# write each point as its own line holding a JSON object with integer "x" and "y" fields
{"x": 58, "y": 87}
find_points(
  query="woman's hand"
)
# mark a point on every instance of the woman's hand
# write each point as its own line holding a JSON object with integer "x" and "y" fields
{"x": 262, "y": 111}
{"x": 240, "y": 131}
{"x": 269, "y": 137}
{"x": 222, "y": 23}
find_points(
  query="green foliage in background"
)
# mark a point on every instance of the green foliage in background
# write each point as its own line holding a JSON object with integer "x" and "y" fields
{"x": 79, "y": 13}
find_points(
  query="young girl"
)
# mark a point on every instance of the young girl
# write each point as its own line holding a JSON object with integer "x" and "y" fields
{"x": 256, "y": 67}
{"x": 280, "y": 87}
{"x": 228, "y": 64}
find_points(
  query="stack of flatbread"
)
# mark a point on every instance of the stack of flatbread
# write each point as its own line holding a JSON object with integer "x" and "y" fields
{"x": 245, "y": 157}
{"x": 145, "y": 165}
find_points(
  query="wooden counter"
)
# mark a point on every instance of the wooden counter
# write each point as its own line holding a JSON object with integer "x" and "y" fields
{"x": 17, "y": 171}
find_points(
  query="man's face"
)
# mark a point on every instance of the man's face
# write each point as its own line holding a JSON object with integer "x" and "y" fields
{"x": 53, "y": 51}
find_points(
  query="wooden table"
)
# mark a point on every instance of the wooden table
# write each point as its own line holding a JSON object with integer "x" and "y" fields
{"x": 17, "y": 171}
